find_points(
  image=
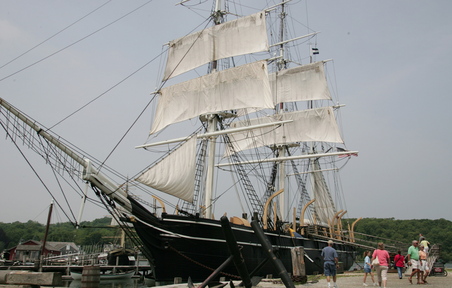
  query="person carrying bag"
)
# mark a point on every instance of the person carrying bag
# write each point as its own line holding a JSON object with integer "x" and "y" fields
{"x": 375, "y": 262}
{"x": 381, "y": 256}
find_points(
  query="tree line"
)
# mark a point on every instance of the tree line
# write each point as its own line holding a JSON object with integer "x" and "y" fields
{"x": 98, "y": 232}
{"x": 437, "y": 231}
{"x": 90, "y": 232}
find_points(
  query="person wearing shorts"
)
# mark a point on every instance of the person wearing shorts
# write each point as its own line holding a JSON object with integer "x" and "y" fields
{"x": 413, "y": 261}
{"x": 330, "y": 264}
{"x": 423, "y": 263}
{"x": 368, "y": 268}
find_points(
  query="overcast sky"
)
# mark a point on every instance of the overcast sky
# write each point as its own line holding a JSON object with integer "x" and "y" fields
{"x": 391, "y": 61}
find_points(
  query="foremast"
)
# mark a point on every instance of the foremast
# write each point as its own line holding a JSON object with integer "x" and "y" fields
{"x": 211, "y": 121}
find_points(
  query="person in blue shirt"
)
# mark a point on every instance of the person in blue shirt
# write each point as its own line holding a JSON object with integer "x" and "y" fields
{"x": 368, "y": 268}
{"x": 331, "y": 263}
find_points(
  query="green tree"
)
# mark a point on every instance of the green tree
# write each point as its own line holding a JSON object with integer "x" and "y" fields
{"x": 92, "y": 232}
{"x": 437, "y": 231}
{"x": 4, "y": 239}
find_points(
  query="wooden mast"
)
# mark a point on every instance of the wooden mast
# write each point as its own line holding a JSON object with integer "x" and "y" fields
{"x": 49, "y": 216}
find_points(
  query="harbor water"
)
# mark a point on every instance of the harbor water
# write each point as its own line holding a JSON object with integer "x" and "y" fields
{"x": 117, "y": 283}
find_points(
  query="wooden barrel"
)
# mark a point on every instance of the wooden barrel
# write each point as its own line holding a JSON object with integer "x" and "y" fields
{"x": 90, "y": 277}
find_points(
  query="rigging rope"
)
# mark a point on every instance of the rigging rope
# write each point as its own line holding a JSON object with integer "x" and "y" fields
{"x": 58, "y": 182}
{"x": 73, "y": 43}
{"x": 62, "y": 30}
{"x": 141, "y": 113}
{"x": 35, "y": 172}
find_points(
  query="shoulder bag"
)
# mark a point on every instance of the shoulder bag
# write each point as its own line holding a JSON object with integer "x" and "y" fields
{"x": 376, "y": 262}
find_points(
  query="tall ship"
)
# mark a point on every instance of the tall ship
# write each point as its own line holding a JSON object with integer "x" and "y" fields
{"x": 265, "y": 147}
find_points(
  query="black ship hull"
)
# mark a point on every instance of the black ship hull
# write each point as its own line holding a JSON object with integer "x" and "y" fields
{"x": 193, "y": 247}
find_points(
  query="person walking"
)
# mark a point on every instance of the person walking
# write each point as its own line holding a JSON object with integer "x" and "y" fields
{"x": 330, "y": 264}
{"x": 413, "y": 261}
{"x": 421, "y": 237}
{"x": 368, "y": 268}
{"x": 426, "y": 245}
{"x": 399, "y": 262}
{"x": 382, "y": 268}
{"x": 424, "y": 269}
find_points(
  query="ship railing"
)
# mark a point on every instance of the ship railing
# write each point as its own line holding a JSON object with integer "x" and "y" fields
{"x": 433, "y": 255}
{"x": 88, "y": 255}
{"x": 357, "y": 239}
{"x": 390, "y": 244}
{"x": 78, "y": 259}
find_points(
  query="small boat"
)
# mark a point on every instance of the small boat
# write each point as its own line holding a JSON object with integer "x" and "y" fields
{"x": 106, "y": 276}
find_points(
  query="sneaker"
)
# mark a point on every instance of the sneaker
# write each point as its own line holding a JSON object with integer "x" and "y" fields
{"x": 335, "y": 285}
{"x": 364, "y": 284}
{"x": 375, "y": 284}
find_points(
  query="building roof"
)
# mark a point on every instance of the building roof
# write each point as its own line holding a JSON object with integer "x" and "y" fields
{"x": 32, "y": 245}
{"x": 28, "y": 247}
{"x": 62, "y": 245}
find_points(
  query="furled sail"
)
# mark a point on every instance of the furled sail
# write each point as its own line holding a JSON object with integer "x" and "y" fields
{"x": 308, "y": 125}
{"x": 175, "y": 174}
{"x": 236, "y": 88}
{"x": 323, "y": 205}
{"x": 301, "y": 83}
{"x": 242, "y": 36}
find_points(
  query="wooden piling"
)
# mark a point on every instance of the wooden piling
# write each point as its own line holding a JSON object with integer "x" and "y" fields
{"x": 90, "y": 277}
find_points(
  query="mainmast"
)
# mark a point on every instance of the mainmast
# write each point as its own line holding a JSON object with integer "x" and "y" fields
{"x": 212, "y": 127}
{"x": 282, "y": 148}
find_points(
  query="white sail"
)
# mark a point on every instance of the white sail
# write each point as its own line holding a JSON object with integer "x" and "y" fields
{"x": 242, "y": 36}
{"x": 323, "y": 205}
{"x": 175, "y": 174}
{"x": 308, "y": 125}
{"x": 301, "y": 83}
{"x": 236, "y": 88}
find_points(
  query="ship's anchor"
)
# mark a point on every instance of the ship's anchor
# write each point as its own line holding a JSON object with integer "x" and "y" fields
{"x": 239, "y": 262}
